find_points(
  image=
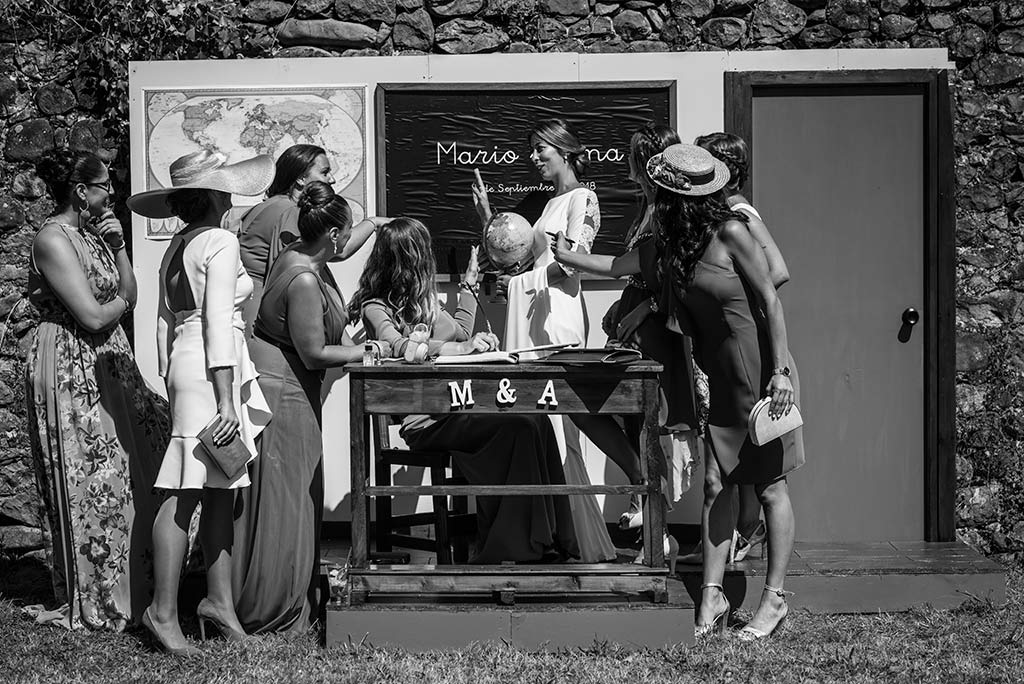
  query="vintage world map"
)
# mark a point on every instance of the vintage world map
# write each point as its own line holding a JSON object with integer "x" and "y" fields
{"x": 241, "y": 124}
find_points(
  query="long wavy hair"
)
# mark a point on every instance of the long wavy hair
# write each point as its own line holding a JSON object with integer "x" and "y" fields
{"x": 687, "y": 225}
{"x": 401, "y": 271}
{"x": 732, "y": 151}
{"x": 291, "y": 166}
{"x": 645, "y": 143}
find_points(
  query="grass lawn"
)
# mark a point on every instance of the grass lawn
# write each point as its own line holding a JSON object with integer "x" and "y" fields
{"x": 978, "y": 642}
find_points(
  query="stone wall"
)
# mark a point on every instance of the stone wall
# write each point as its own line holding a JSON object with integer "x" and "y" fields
{"x": 45, "y": 102}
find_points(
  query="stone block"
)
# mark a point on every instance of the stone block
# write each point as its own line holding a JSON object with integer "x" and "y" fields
{"x": 567, "y": 8}
{"x": 943, "y": 4}
{"x": 469, "y": 36}
{"x": 735, "y": 7}
{"x": 679, "y": 32}
{"x": 29, "y": 140}
{"x": 692, "y": 9}
{"x": 8, "y": 90}
{"x": 851, "y": 15}
{"x": 978, "y": 505}
{"x": 639, "y": 5}
{"x": 982, "y": 16}
{"x": 326, "y": 33}
{"x": 54, "y": 98}
{"x": 604, "y": 9}
{"x": 449, "y": 9}
{"x": 997, "y": 70}
{"x": 896, "y": 26}
{"x": 723, "y": 32}
{"x": 776, "y": 21}
{"x": 655, "y": 19}
{"x": 302, "y": 52}
{"x": 966, "y": 41}
{"x": 925, "y": 41}
{"x": 592, "y": 27}
{"x": 648, "y": 46}
{"x": 819, "y": 36}
{"x": 410, "y": 5}
{"x": 265, "y": 11}
{"x": 940, "y": 22}
{"x": 1011, "y": 41}
{"x": 964, "y": 471}
{"x": 631, "y": 25}
{"x": 12, "y": 215}
{"x": 972, "y": 352}
{"x": 519, "y": 47}
{"x": 414, "y": 31}
{"x": 86, "y": 88}
{"x": 313, "y": 8}
{"x": 366, "y": 11}
{"x": 87, "y": 135}
{"x": 27, "y": 185}
{"x": 894, "y": 6}
{"x": 608, "y": 45}
{"x": 1010, "y": 12}
{"x": 20, "y": 538}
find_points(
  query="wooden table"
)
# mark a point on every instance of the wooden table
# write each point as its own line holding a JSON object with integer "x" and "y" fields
{"x": 537, "y": 387}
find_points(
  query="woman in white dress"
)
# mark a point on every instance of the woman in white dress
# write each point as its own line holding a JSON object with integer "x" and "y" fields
{"x": 545, "y": 305}
{"x": 205, "y": 362}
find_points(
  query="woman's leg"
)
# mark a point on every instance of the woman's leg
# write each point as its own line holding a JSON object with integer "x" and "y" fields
{"x": 749, "y": 510}
{"x": 716, "y": 525}
{"x": 778, "y": 513}
{"x": 610, "y": 438}
{"x": 170, "y": 542}
{"x": 216, "y": 534}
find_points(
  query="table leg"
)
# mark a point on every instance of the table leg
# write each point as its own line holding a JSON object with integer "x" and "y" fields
{"x": 651, "y": 457}
{"x": 360, "y": 457}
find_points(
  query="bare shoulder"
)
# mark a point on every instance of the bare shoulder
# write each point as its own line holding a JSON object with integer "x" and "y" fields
{"x": 734, "y": 233}
{"x": 51, "y": 240}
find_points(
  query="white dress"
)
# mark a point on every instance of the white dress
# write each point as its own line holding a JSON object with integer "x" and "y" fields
{"x": 207, "y": 332}
{"x": 539, "y": 313}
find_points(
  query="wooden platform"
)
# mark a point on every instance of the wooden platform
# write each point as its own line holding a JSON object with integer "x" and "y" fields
{"x": 826, "y": 578}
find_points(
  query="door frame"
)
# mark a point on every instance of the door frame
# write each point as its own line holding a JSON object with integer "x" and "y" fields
{"x": 938, "y": 431}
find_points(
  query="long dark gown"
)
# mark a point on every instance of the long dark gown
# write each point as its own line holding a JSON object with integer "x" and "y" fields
{"x": 277, "y": 528}
{"x": 730, "y": 334}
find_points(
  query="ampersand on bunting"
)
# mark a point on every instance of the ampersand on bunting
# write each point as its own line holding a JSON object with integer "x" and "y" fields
{"x": 506, "y": 395}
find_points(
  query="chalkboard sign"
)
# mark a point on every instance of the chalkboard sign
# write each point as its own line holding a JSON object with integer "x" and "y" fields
{"x": 431, "y": 137}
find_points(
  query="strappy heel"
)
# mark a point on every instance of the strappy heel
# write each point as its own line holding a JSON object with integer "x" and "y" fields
{"x": 749, "y": 633}
{"x": 206, "y": 613}
{"x": 741, "y": 546}
{"x": 719, "y": 623}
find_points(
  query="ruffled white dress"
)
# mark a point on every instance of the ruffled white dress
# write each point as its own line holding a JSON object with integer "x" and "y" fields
{"x": 541, "y": 313}
{"x": 208, "y": 332}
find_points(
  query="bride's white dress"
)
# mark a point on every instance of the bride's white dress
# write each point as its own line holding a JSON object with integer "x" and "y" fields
{"x": 539, "y": 313}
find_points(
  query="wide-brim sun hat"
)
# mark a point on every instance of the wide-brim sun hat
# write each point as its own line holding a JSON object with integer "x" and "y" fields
{"x": 687, "y": 170}
{"x": 206, "y": 170}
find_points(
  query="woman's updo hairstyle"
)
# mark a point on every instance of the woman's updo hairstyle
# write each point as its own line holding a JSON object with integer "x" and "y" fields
{"x": 321, "y": 209}
{"x": 650, "y": 140}
{"x": 559, "y": 134}
{"x": 291, "y": 166}
{"x": 731, "y": 150}
{"x": 63, "y": 170}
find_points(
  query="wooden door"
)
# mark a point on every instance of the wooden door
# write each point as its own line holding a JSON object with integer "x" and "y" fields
{"x": 840, "y": 174}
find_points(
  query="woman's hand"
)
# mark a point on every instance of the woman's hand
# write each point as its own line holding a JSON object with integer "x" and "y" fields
{"x": 501, "y": 284}
{"x": 109, "y": 229}
{"x": 472, "y": 275}
{"x": 480, "y": 342}
{"x": 227, "y": 425}
{"x": 632, "y": 321}
{"x": 560, "y": 247}
{"x": 481, "y": 202}
{"x": 780, "y": 389}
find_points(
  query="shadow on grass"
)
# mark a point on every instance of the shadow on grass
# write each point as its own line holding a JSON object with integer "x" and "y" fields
{"x": 26, "y": 580}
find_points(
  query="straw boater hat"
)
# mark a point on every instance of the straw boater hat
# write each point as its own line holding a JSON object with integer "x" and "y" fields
{"x": 688, "y": 170}
{"x": 206, "y": 171}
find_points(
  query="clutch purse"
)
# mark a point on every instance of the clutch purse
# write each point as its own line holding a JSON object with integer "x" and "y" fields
{"x": 230, "y": 458}
{"x": 763, "y": 429}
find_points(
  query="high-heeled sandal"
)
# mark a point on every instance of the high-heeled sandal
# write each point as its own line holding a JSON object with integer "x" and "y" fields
{"x": 741, "y": 546}
{"x": 187, "y": 649}
{"x": 205, "y": 612}
{"x": 720, "y": 621}
{"x": 671, "y": 554}
{"x": 633, "y": 517}
{"x": 749, "y": 633}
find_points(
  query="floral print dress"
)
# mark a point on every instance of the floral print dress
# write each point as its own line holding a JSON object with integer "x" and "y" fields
{"x": 98, "y": 432}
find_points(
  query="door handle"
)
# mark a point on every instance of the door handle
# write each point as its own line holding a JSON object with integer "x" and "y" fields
{"x": 910, "y": 318}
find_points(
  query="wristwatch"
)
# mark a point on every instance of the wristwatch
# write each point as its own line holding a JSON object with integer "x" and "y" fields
{"x": 781, "y": 371}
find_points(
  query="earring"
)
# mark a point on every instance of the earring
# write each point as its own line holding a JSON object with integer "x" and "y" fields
{"x": 334, "y": 240}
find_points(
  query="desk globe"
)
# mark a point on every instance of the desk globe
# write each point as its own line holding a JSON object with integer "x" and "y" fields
{"x": 508, "y": 239}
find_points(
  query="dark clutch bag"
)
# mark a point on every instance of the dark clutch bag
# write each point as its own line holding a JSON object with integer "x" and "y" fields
{"x": 230, "y": 458}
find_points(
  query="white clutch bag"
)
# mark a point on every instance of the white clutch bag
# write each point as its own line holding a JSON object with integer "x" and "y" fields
{"x": 763, "y": 429}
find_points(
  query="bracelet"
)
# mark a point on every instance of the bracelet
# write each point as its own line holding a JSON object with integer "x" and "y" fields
{"x": 463, "y": 285}
{"x": 127, "y": 306}
{"x": 117, "y": 248}
{"x": 654, "y": 304}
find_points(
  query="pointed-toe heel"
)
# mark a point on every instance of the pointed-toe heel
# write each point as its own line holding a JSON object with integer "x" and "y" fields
{"x": 741, "y": 546}
{"x": 161, "y": 640}
{"x": 206, "y": 613}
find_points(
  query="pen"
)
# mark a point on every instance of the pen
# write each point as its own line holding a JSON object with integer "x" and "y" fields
{"x": 554, "y": 235}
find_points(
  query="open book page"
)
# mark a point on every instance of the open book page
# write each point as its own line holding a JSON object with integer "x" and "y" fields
{"x": 481, "y": 357}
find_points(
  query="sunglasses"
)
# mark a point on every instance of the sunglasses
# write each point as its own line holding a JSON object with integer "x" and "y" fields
{"x": 105, "y": 185}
